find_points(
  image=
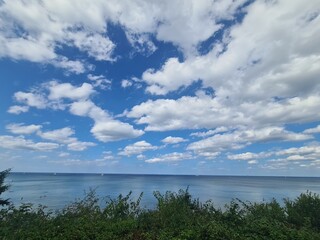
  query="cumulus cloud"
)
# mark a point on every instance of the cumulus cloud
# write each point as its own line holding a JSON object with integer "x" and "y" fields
{"x": 23, "y": 129}
{"x": 137, "y": 148}
{"x": 114, "y": 130}
{"x": 71, "y": 66}
{"x": 65, "y": 136}
{"x": 313, "y": 150}
{"x": 53, "y": 95}
{"x": 126, "y": 83}
{"x": 62, "y": 135}
{"x": 171, "y": 157}
{"x": 205, "y": 111}
{"x": 42, "y": 27}
{"x": 173, "y": 140}
{"x": 243, "y": 137}
{"x": 313, "y": 130}
{"x": 248, "y": 156}
{"x": 281, "y": 159}
{"x": 66, "y": 90}
{"x": 270, "y": 58}
{"x": 31, "y": 99}
{"x": 106, "y": 128}
{"x": 16, "y": 109}
{"x": 80, "y": 146}
{"x": 20, "y": 143}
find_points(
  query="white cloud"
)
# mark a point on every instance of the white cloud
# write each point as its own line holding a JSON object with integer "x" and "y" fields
{"x": 270, "y": 62}
{"x": 252, "y": 162}
{"x": 31, "y": 99}
{"x": 42, "y": 27}
{"x": 173, "y": 140}
{"x": 114, "y": 130}
{"x": 247, "y": 156}
{"x": 126, "y": 83}
{"x": 100, "y": 81}
{"x": 20, "y": 48}
{"x": 62, "y": 135}
{"x": 171, "y": 157}
{"x": 243, "y": 137}
{"x": 18, "y": 109}
{"x": 97, "y": 46}
{"x": 107, "y": 155}
{"x": 141, "y": 43}
{"x": 23, "y": 129}
{"x": 137, "y": 148}
{"x": 313, "y": 130}
{"x": 20, "y": 143}
{"x": 183, "y": 113}
{"x": 80, "y": 146}
{"x": 281, "y": 159}
{"x": 64, "y": 154}
{"x": 133, "y": 81}
{"x": 210, "y": 132}
{"x": 66, "y": 90}
{"x": 105, "y": 128}
{"x": 310, "y": 151}
{"x": 204, "y": 111}
{"x": 65, "y": 136}
{"x": 71, "y": 66}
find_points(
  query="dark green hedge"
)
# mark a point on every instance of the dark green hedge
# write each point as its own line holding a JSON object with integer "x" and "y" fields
{"x": 176, "y": 216}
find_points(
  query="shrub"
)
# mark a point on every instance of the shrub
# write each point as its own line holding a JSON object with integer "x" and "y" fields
{"x": 4, "y": 187}
{"x": 304, "y": 211}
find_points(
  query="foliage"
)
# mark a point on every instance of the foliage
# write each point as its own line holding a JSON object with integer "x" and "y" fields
{"x": 177, "y": 216}
{"x": 304, "y": 211}
{"x": 4, "y": 187}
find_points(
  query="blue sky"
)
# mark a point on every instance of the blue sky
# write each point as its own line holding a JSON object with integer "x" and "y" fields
{"x": 160, "y": 87}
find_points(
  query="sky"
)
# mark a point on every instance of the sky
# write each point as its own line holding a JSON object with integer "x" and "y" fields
{"x": 201, "y": 87}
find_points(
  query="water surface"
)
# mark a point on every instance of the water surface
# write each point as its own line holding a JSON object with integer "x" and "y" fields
{"x": 58, "y": 190}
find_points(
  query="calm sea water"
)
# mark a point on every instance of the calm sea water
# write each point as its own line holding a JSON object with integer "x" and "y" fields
{"x": 56, "y": 191}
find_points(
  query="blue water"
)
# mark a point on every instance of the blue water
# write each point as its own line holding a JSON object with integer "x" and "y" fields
{"x": 56, "y": 191}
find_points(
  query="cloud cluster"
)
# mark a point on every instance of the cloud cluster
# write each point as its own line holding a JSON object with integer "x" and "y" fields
{"x": 261, "y": 74}
{"x": 20, "y": 143}
{"x": 248, "y": 70}
{"x": 62, "y": 136}
{"x": 173, "y": 140}
{"x": 137, "y": 148}
{"x": 240, "y": 138}
{"x": 305, "y": 156}
{"x": 76, "y": 99}
{"x": 170, "y": 158}
{"x": 35, "y": 30}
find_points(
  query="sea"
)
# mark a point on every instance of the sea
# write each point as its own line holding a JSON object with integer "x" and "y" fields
{"x": 57, "y": 190}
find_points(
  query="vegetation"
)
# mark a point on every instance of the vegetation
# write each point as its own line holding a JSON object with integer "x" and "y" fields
{"x": 176, "y": 216}
{"x": 3, "y": 187}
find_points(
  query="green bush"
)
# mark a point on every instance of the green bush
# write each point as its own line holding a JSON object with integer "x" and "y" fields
{"x": 304, "y": 211}
{"x": 176, "y": 216}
